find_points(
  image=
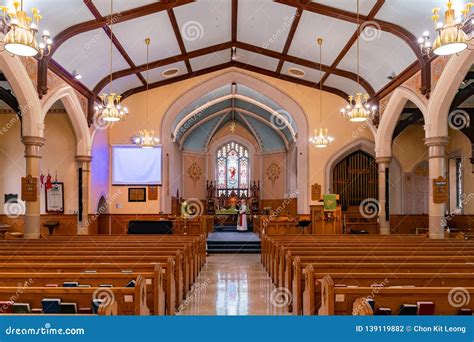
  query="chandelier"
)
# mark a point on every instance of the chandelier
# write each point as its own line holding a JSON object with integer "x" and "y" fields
{"x": 146, "y": 138}
{"x": 321, "y": 139}
{"x": 110, "y": 109}
{"x": 20, "y": 38}
{"x": 359, "y": 108}
{"x": 453, "y": 36}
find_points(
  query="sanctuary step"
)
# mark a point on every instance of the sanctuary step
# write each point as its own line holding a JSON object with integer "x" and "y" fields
{"x": 229, "y": 228}
{"x": 230, "y": 242}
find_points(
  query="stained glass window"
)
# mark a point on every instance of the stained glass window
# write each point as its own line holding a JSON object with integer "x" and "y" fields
{"x": 232, "y": 166}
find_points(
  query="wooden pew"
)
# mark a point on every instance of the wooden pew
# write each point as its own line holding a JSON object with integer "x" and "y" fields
{"x": 129, "y": 301}
{"x": 153, "y": 280}
{"x": 380, "y": 280}
{"x": 340, "y": 300}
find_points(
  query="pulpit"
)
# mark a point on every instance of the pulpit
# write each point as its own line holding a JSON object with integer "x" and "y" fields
{"x": 326, "y": 222}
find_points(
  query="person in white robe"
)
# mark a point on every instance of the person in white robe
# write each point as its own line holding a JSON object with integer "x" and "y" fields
{"x": 242, "y": 218}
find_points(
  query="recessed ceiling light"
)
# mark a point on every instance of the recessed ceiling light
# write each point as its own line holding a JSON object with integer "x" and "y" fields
{"x": 76, "y": 75}
{"x": 170, "y": 72}
{"x": 296, "y": 72}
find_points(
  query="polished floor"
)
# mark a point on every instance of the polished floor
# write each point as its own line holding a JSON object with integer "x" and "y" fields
{"x": 234, "y": 285}
{"x": 233, "y": 236}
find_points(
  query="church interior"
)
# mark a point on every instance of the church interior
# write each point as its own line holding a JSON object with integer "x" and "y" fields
{"x": 237, "y": 157}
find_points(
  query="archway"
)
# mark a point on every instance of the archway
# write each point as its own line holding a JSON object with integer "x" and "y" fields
{"x": 173, "y": 163}
{"x": 101, "y": 217}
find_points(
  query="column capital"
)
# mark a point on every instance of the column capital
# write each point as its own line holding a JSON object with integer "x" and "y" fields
{"x": 33, "y": 141}
{"x": 83, "y": 159}
{"x": 437, "y": 141}
{"x": 383, "y": 160}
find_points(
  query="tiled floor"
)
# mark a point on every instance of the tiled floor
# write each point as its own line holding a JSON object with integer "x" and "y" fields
{"x": 234, "y": 285}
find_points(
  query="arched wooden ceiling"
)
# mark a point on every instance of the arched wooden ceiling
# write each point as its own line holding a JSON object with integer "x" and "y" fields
{"x": 270, "y": 37}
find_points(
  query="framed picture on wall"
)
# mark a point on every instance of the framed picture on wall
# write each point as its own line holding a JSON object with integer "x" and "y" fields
{"x": 137, "y": 194}
{"x": 55, "y": 198}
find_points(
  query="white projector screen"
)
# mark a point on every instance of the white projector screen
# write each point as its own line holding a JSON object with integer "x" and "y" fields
{"x": 132, "y": 165}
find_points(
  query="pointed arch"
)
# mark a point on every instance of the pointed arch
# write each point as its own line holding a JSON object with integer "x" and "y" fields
{"x": 25, "y": 92}
{"x": 391, "y": 115}
{"x": 75, "y": 113}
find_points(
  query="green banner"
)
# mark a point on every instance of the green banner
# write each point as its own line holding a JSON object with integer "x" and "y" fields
{"x": 330, "y": 202}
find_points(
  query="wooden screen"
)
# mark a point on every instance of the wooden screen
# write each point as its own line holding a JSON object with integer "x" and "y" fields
{"x": 355, "y": 178}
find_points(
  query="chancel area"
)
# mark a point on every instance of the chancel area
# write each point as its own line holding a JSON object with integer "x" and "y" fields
{"x": 237, "y": 157}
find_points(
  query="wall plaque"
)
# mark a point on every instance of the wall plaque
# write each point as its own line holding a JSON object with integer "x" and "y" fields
{"x": 137, "y": 194}
{"x": 153, "y": 193}
{"x": 29, "y": 188}
{"x": 440, "y": 190}
{"x": 315, "y": 192}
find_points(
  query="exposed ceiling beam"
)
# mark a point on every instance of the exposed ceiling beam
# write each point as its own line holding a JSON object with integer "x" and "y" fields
{"x": 291, "y": 34}
{"x": 378, "y": 5}
{"x": 120, "y": 17}
{"x": 352, "y": 17}
{"x": 404, "y": 76}
{"x": 162, "y": 62}
{"x": 10, "y": 99}
{"x": 235, "y": 11}
{"x": 95, "y": 12}
{"x": 179, "y": 38}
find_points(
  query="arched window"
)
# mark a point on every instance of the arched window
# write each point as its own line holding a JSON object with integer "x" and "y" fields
{"x": 232, "y": 166}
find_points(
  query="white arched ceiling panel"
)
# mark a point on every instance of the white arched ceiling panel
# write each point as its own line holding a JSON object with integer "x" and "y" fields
{"x": 204, "y": 23}
{"x": 349, "y": 5}
{"x": 56, "y": 17}
{"x": 264, "y": 23}
{"x": 132, "y": 33}
{"x": 119, "y": 5}
{"x": 335, "y": 33}
{"x": 311, "y": 75}
{"x": 255, "y": 59}
{"x": 123, "y": 84}
{"x": 346, "y": 85}
{"x": 381, "y": 53}
{"x": 89, "y": 54}
{"x": 155, "y": 75}
{"x": 416, "y": 18}
{"x": 210, "y": 60}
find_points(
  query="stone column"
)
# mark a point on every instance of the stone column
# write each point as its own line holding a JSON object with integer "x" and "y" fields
{"x": 384, "y": 223}
{"x": 437, "y": 167}
{"x": 32, "y": 212}
{"x": 84, "y": 163}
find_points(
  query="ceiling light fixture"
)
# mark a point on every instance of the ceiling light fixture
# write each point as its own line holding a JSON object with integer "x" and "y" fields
{"x": 233, "y": 53}
{"x": 359, "y": 108}
{"x": 20, "y": 38}
{"x": 454, "y": 35}
{"x": 321, "y": 138}
{"x": 146, "y": 138}
{"x": 110, "y": 109}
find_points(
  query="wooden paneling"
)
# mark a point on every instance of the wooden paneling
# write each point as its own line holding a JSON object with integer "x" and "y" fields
{"x": 285, "y": 207}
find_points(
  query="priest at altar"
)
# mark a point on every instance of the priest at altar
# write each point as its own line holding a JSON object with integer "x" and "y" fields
{"x": 242, "y": 218}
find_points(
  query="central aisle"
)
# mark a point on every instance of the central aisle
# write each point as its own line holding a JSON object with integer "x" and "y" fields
{"x": 234, "y": 285}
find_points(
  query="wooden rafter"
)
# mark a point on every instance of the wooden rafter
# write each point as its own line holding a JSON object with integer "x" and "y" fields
{"x": 235, "y": 11}
{"x": 95, "y": 12}
{"x": 179, "y": 38}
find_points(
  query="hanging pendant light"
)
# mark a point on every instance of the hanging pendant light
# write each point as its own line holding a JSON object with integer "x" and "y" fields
{"x": 453, "y": 36}
{"x": 321, "y": 138}
{"x": 110, "y": 109}
{"x": 146, "y": 138}
{"x": 20, "y": 38}
{"x": 359, "y": 108}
